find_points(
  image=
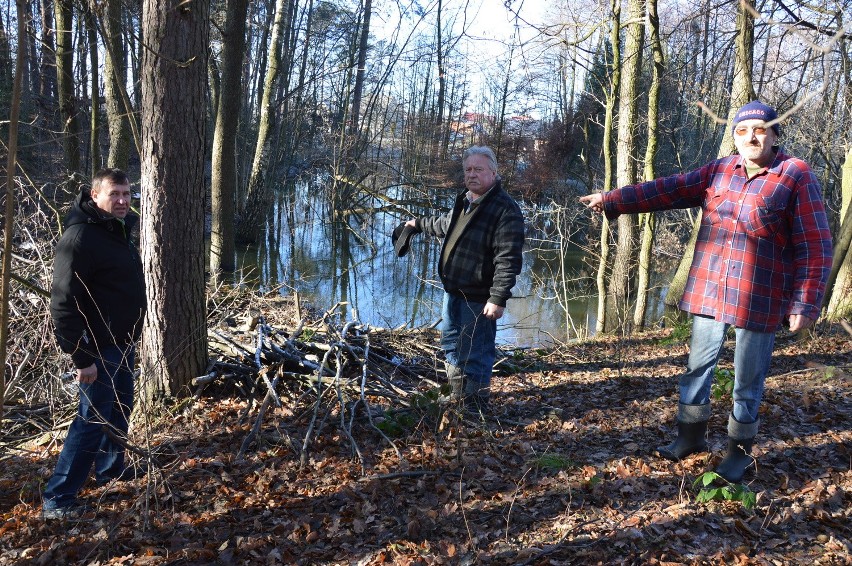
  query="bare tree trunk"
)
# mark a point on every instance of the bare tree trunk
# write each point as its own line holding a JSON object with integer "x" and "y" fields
{"x": 136, "y": 46}
{"x": 174, "y": 346}
{"x": 442, "y": 72}
{"x": 9, "y": 211}
{"x": 609, "y": 166}
{"x": 70, "y": 129}
{"x": 295, "y": 128}
{"x": 94, "y": 124}
{"x": 648, "y": 221}
{"x": 742, "y": 91}
{"x": 501, "y": 114}
{"x": 6, "y": 74}
{"x": 258, "y": 194}
{"x": 839, "y": 288}
{"x": 358, "y": 90}
{"x": 224, "y": 159}
{"x": 31, "y": 80}
{"x": 117, "y": 103}
{"x": 47, "y": 86}
{"x": 625, "y": 251}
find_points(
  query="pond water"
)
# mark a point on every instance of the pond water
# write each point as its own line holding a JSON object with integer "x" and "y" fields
{"x": 352, "y": 261}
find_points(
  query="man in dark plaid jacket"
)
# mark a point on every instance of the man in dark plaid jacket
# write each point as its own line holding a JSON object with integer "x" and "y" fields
{"x": 483, "y": 238}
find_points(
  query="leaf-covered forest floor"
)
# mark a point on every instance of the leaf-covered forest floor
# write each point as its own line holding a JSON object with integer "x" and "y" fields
{"x": 563, "y": 472}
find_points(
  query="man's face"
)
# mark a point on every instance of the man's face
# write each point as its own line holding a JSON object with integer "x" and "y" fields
{"x": 111, "y": 198}
{"x": 754, "y": 141}
{"x": 478, "y": 176}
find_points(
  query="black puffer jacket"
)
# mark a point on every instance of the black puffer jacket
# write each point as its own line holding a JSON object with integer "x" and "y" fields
{"x": 98, "y": 294}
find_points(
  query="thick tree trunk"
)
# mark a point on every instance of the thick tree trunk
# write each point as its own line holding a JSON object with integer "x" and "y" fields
{"x": 174, "y": 346}
{"x": 224, "y": 179}
{"x": 70, "y": 129}
{"x": 623, "y": 266}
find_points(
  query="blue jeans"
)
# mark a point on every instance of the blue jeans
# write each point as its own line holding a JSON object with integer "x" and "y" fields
{"x": 106, "y": 402}
{"x": 752, "y": 355}
{"x": 467, "y": 338}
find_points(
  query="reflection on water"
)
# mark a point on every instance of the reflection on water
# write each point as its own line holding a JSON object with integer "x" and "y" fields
{"x": 330, "y": 260}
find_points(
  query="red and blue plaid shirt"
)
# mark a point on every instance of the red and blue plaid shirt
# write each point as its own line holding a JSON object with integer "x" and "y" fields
{"x": 764, "y": 246}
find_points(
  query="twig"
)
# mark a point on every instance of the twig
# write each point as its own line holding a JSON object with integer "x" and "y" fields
{"x": 254, "y": 429}
{"x": 408, "y": 474}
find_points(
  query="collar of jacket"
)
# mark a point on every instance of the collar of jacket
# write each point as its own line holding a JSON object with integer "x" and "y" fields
{"x": 84, "y": 211}
{"x": 774, "y": 167}
{"x": 496, "y": 188}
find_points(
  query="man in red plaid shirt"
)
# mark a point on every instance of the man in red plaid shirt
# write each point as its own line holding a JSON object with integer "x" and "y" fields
{"x": 763, "y": 255}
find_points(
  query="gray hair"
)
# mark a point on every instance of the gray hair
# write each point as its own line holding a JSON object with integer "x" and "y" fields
{"x": 484, "y": 151}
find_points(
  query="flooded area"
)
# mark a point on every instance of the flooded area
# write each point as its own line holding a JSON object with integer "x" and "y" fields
{"x": 332, "y": 260}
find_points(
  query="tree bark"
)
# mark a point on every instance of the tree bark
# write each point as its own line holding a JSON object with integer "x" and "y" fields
{"x": 118, "y": 108}
{"x": 648, "y": 221}
{"x": 95, "y": 95}
{"x": 47, "y": 85}
{"x": 174, "y": 346}
{"x": 224, "y": 159}
{"x": 70, "y": 129}
{"x": 258, "y": 194}
{"x": 609, "y": 165}
{"x": 839, "y": 287}
{"x": 361, "y": 71}
{"x": 623, "y": 266}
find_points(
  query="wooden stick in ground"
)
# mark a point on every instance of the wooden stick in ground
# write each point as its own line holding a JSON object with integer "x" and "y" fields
{"x": 363, "y": 398}
{"x": 256, "y": 428}
{"x": 261, "y": 332}
{"x": 9, "y": 214}
{"x": 303, "y": 460}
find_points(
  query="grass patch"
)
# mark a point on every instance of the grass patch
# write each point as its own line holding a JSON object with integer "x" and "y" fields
{"x": 553, "y": 462}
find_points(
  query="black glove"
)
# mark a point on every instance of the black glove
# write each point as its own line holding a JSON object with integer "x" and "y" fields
{"x": 401, "y": 238}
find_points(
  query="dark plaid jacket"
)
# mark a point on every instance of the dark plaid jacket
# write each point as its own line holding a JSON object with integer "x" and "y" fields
{"x": 486, "y": 259}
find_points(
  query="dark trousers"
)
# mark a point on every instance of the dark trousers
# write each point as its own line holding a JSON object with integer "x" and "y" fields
{"x": 105, "y": 403}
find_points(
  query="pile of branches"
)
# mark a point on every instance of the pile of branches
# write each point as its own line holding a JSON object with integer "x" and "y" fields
{"x": 331, "y": 369}
{"x": 34, "y": 403}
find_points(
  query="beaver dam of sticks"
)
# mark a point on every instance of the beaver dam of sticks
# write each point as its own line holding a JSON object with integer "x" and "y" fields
{"x": 327, "y": 367}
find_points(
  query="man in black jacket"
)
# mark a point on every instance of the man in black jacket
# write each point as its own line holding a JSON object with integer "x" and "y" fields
{"x": 97, "y": 303}
{"x": 483, "y": 240}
